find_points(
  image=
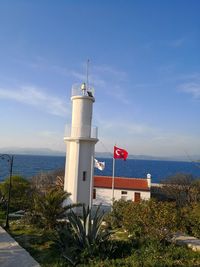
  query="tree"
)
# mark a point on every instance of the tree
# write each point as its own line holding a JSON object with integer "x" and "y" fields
{"x": 181, "y": 188}
{"x": 49, "y": 207}
{"x": 149, "y": 219}
{"x": 114, "y": 219}
{"x": 21, "y": 193}
{"x": 46, "y": 180}
{"x": 190, "y": 219}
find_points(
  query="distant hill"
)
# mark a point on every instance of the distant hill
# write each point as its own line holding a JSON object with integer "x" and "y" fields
{"x": 50, "y": 152}
{"x": 31, "y": 151}
{"x": 149, "y": 157}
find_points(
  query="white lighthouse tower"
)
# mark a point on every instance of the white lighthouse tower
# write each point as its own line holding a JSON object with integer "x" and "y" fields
{"x": 80, "y": 147}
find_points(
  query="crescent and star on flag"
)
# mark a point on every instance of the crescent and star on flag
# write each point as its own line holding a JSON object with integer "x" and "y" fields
{"x": 120, "y": 153}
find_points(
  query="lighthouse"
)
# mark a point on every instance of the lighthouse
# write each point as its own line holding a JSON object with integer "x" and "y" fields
{"x": 80, "y": 143}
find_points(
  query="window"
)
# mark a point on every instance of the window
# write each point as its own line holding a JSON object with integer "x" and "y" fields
{"x": 84, "y": 175}
{"x": 137, "y": 197}
{"x": 94, "y": 193}
{"x": 124, "y": 195}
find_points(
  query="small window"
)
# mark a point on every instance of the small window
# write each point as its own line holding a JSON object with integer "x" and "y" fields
{"x": 84, "y": 175}
{"x": 124, "y": 192}
{"x": 94, "y": 193}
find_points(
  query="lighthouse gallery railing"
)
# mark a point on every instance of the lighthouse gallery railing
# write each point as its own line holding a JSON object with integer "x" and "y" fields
{"x": 81, "y": 132}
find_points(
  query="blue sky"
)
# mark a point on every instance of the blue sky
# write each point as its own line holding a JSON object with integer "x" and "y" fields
{"x": 145, "y": 67}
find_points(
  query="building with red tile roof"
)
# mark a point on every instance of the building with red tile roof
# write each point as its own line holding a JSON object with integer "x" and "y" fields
{"x": 134, "y": 189}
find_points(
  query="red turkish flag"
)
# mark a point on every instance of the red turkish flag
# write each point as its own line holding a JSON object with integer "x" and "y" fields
{"x": 120, "y": 153}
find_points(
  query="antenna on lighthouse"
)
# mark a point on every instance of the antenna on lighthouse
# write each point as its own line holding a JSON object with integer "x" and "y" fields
{"x": 87, "y": 74}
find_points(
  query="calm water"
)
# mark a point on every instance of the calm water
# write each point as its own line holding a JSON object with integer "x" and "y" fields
{"x": 31, "y": 165}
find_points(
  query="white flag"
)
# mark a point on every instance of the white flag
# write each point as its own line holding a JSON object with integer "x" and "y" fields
{"x": 99, "y": 165}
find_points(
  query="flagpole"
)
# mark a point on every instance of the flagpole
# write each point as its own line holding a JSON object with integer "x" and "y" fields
{"x": 113, "y": 180}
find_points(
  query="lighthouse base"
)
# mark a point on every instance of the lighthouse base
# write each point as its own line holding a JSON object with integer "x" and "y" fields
{"x": 79, "y": 170}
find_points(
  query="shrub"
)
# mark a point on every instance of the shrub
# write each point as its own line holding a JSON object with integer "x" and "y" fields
{"x": 114, "y": 219}
{"x": 21, "y": 193}
{"x": 182, "y": 188}
{"x": 190, "y": 219}
{"x": 148, "y": 219}
{"x": 47, "y": 180}
{"x": 153, "y": 254}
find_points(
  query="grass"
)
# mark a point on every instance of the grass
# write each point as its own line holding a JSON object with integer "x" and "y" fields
{"x": 40, "y": 245}
{"x": 120, "y": 234}
{"x": 2, "y": 217}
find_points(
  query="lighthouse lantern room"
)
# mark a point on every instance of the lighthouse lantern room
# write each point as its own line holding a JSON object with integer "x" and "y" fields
{"x": 80, "y": 146}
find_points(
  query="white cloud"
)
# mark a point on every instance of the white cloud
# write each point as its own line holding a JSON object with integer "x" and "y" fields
{"x": 107, "y": 79}
{"x": 130, "y": 128}
{"x": 192, "y": 88}
{"x": 36, "y": 97}
{"x": 52, "y": 139}
{"x": 141, "y": 138}
{"x": 190, "y": 84}
{"x": 175, "y": 43}
{"x": 33, "y": 139}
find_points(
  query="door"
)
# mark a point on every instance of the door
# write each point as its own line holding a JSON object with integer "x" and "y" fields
{"x": 137, "y": 197}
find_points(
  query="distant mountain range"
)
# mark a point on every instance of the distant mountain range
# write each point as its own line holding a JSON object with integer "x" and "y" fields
{"x": 31, "y": 151}
{"x": 149, "y": 157}
{"x": 50, "y": 152}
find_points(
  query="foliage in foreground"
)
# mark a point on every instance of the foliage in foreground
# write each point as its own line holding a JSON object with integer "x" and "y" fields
{"x": 145, "y": 220}
{"x": 83, "y": 237}
{"x": 190, "y": 219}
{"x": 20, "y": 189}
{"x": 39, "y": 243}
{"x": 49, "y": 208}
{"x": 153, "y": 254}
{"x": 84, "y": 242}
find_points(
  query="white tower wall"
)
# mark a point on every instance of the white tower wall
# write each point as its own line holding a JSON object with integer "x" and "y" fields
{"x": 80, "y": 151}
{"x": 82, "y": 110}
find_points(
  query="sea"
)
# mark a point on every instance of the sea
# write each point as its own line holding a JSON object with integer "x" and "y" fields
{"x": 28, "y": 166}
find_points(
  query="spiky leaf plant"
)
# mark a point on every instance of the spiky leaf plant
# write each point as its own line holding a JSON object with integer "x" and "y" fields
{"x": 86, "y": 238}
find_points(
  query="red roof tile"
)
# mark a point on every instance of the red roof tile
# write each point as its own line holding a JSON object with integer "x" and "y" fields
{"x": 121, "y": 183}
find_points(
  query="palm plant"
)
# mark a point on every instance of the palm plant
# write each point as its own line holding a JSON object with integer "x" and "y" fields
{"x": 85, "y": 236}
{"x": 49, "y": 207}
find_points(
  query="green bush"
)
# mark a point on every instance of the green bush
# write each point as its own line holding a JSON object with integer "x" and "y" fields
{"x": 190, "y": 219}
{"x": 153, "y": 254}
{"x": 21, "y": 193}
{"x": 148, "y": 219}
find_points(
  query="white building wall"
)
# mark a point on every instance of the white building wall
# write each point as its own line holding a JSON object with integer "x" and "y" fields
{"x": 104, "y": 195}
